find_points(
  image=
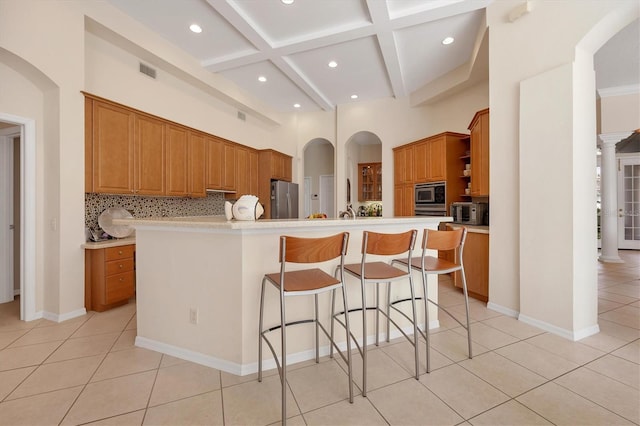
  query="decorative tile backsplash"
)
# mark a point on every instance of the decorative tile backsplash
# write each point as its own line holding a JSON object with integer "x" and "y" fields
{"x": 138, "y": 206}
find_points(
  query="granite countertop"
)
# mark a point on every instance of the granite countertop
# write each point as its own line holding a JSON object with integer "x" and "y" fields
{"x": 116, "y": 242}
{"x": 221, "y": 223}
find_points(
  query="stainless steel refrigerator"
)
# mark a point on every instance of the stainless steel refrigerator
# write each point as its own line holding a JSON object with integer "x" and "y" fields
{"x": 284, "y": 200}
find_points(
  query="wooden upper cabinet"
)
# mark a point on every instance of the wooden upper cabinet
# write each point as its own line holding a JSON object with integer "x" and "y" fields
{"x": 420, "y": 161}
{"x": 177, "y": 161}
{"x": 246, "y": 172}
{"x": 403, "y": 164}
{"x": 196, "y": 165}
{"x": 149, "y": 164}
{"x": 253, "y": 167}
{"x": 243, "y": 173}
{"x": 429, "y": 160}
{"x": 185, "y": 162}
{"x": 214, "y": 163}
{"x": 281, "y": 167}
{"x": 479, "y": 128}
{"x": 112, "y": 149}
{"x": 229, "y": 152}
{"x": 220, "y": 164}
{"x": 437, "y": 159}
{"x": 131, "y": 152}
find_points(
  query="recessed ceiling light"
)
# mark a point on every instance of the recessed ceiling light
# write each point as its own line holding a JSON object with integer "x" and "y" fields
{"x": 287, "y": 1}
{"x": 296, "y": 105}
{"x": 448, "y": 40}
{"x": 333, "y": 64}
{"x": 262, "y": 79}
{"x": 195, "y": 28}
{"x": 354, "y": 96}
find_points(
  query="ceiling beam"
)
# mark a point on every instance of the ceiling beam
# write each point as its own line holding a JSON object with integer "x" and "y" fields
{"x": 250, "y": 30}
{"x": 379, "y": 13}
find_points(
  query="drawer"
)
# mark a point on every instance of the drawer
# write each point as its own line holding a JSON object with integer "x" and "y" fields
{"x": 119, "y": 266}
{"x": 122, "y": 252}
{"x": 119, "y": 287}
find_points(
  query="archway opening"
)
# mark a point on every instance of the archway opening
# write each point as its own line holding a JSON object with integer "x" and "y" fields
{"x": 364, "y": 173}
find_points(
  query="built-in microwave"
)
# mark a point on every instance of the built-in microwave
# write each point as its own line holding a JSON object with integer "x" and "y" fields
{"x": 470, "y": 213}
{"x": 430, "y": 199}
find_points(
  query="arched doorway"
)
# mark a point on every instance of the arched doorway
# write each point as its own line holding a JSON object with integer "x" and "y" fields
{"x": 319, "y": 186}
{"x": 21, "y": 74}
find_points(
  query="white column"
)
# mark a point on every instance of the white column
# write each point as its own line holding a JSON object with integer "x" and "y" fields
{"x": 609, "y": 204}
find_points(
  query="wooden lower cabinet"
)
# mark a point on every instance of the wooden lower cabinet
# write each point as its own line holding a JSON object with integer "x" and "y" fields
{"x": 476, "y": 265}
{"x": 109, "y": 277}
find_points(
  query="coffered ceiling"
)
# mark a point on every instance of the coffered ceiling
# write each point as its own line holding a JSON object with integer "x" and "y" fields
{"x": 382, "y": 48}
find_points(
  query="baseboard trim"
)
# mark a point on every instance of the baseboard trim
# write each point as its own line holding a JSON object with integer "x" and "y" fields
{"x": 558, "y": 331}
{"x": 63, "y": 317}
{"x": 267, "y": 364}
{"x": 502, "y": 309}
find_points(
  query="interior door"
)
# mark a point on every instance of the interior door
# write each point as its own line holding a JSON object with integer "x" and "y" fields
{"x": 629, "y": 202}
{"x": 6, "y": 219}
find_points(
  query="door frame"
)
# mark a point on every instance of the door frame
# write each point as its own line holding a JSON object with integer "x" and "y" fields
{"x": 27, "y": 214}
{"x": 622, "y": 160}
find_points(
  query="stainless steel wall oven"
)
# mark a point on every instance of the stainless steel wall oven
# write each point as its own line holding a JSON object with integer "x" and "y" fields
{"x": 430, "y": 199}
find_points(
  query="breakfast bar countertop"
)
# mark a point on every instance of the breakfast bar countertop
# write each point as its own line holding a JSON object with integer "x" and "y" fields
{"x": 221, "y": 223}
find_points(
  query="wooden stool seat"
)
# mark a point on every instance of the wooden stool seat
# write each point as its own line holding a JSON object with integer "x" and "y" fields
{"x": 306, "y": 280}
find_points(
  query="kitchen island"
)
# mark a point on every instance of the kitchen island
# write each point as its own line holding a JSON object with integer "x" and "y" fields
{"x": 198, "y": 284}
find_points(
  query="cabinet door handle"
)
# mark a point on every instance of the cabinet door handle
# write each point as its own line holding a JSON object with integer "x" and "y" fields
{"x": 120, "y": 252}
{"x": 121, "y": 266}
{"x": 121, "y": 279}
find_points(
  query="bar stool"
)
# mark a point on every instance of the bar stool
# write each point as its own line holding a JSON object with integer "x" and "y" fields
{"x": 440, "y": 240}
{"x": 300, "y": 283}
{"x": 379, "y": 271}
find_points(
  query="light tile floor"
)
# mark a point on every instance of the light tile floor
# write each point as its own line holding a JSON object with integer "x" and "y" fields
{"x": 88, "y": 371}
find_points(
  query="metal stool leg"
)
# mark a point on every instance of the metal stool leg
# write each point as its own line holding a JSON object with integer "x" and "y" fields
{"x": 466, "y": 305}
{"x": 377, "y": 314}
{"x": 388, "y": 312}
{"x": 364, "y": 339}
{"x": 283, "y": 375}
{"x": 425, "y": 290}
{"x": 348, "y": 334}
{"x": 333, "y": 312}
{"x": 317, "y": 328}
{"x": 260, "y": 331}
{"x": 416, "y": 334}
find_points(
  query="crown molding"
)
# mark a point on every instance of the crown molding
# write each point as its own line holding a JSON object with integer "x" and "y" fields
{"x": 631, "y": 89}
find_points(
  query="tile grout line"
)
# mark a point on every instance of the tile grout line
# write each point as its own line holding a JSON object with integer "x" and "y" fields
{"x": 84, "y": 387}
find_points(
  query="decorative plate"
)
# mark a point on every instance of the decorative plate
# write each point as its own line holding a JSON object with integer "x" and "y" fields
{"x": 117, "y": 231}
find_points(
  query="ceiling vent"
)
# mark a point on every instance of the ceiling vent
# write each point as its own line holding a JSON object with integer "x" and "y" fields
{"x": 146, "y": 69}
{"x": 242, "y": 116}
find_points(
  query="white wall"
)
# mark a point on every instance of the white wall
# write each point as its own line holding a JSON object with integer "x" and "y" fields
{"x": 519, "y": 52}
